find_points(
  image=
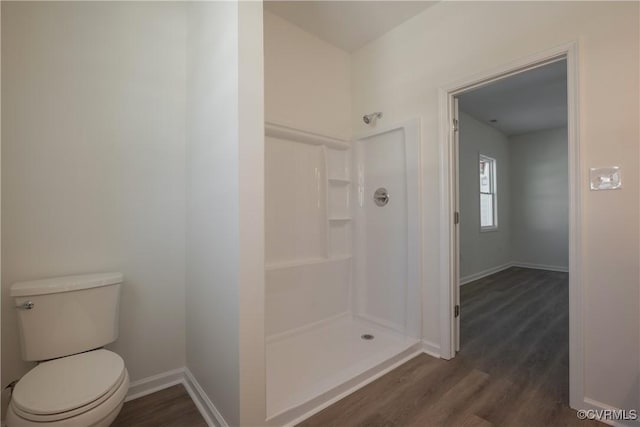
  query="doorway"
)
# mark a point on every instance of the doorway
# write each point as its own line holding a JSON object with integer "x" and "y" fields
{"x": 490, "y": 220}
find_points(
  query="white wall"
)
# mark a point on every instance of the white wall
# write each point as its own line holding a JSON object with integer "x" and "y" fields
{"x": 212, "y": 204}
{"x": 225, "y": 215}
{"x": 400, "y": 74}
{"x": 307, "y": 81}
{"x": 93, "y": 164}
{"x": 540, "y": 198}
{"x": 483, "y": 250}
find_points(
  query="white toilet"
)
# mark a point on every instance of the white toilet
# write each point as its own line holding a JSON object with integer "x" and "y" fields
{"x": 63, "y": 324}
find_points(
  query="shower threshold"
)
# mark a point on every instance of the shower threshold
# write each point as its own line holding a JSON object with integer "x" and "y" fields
{"x": 312, "y": 368}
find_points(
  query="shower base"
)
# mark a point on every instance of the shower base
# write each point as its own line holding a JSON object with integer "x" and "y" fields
{"x": 308, "y": 369}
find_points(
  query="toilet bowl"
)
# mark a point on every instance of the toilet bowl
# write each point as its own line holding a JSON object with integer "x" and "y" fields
{"x": 83, "y": 390}
{"x": 64, "y": 322}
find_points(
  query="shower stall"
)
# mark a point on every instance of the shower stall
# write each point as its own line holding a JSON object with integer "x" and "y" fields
{"x": 342, "y": 263}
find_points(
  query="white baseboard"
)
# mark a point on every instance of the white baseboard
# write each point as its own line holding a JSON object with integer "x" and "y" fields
{"x": 154, "y": 383}
{"x": 493, "y": 270}
{"x": 209, "y": 412}
{"x": 599, "y": 406}
{"x": 488, "y": 272}
{"x": 430, "y": 348}
{"x": 183, "y": 376}
{"x": 560, "y": 268}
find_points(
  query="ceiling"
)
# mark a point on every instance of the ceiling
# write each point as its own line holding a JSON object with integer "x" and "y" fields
{"x": 348, "y": 25}
{"x": 530, "y": 101}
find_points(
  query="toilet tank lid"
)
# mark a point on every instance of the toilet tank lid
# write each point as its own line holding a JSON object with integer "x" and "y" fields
{"x": 64, "y": 284}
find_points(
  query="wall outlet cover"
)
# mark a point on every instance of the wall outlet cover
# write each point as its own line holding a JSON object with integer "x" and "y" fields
{"x": 608, "y": 178}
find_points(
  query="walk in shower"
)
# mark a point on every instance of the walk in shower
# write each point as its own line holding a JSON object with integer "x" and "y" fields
{"x": 342, "y": 262}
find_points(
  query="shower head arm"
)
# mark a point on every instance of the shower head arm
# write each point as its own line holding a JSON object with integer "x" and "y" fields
{"x": 369, "y": 118}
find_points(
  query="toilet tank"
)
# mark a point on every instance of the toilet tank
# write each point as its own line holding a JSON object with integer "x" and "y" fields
{"x": 67, "y": 315}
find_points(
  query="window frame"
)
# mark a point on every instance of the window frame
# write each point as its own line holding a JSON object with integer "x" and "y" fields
{"x": 494, "y": 192}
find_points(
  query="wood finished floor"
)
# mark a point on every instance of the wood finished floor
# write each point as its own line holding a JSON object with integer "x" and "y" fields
{"x": 171, "y": 407}
{"x": 512, "y": 370}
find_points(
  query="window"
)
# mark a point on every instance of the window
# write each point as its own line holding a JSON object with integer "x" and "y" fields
{"x": 488, "y": 205}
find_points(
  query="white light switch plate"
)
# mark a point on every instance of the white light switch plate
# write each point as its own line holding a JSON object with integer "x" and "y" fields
{"x": 605, "y": 178}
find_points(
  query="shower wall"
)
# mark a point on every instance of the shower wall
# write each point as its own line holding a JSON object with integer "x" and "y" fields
{"x": 386, "y": 256}
{"x": 317, "y": 308}
{"x": 330, "y": 250}
{"x": 317, "y": 230}
{"x": 308, "y": 235}
{"x": 308, "y": 243}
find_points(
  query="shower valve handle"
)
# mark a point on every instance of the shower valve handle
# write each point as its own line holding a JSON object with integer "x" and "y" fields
{"x": 381, "y": 197}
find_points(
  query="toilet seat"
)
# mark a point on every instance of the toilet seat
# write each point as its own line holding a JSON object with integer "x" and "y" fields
{"x": 100, "y": 416}
{"x": 68, "y": 387}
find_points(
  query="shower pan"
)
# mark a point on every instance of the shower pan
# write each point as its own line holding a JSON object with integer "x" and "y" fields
{"x": 342, "y": 263}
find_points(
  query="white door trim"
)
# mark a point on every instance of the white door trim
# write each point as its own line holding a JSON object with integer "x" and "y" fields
{"x": 449, "y": 274}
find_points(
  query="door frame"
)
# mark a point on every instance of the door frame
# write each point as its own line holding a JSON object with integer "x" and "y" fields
{"x": 449, "y": 250}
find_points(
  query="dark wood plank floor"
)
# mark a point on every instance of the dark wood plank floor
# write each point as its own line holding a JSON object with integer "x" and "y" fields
{"x": 171, "y": 407}
{"x": 512, "y": 370}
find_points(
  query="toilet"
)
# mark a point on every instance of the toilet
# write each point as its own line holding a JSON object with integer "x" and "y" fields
{"x": 63, "y": 324}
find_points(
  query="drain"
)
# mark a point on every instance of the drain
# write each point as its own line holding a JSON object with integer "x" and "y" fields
{"x": 367, "y": 337}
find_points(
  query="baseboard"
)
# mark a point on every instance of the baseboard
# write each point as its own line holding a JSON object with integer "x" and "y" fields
{"x": 154, "y": 383}
{"x": 599, "y": 406}
{"x": 209, "y": 412}
{"x": 493, "y": 270}
{"x": 430, "y": 348}
{"x": 145, "y": 386}
{"x": 481, "y": 274}
{"x": 540, "y": 266}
